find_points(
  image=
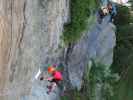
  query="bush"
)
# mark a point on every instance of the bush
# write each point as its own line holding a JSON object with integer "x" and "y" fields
{"x": 123, "y": 54}
{"x": 101, "y": 82}
{"x": 123, "y": 16}
{"x": 124, "y": 36}
{"x": 80, "y": 12}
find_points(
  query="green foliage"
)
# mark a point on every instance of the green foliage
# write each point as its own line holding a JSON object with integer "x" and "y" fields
{"x": 74, "y": 95}
{"x": 100, "y": 75}
{"x": 123, "y": 16}
{"x": 123, "y": 54}
{"x": 124, "y": 37}
{"x": 80, "y": 12}
{"x": 94, "y": 75}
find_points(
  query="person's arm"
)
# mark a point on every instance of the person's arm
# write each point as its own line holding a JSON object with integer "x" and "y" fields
{"x": 49, "y": 78}
{"x": 46, "y": 78}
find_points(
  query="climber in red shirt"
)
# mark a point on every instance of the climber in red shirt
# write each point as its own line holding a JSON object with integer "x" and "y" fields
{"x": 55, "y": 78}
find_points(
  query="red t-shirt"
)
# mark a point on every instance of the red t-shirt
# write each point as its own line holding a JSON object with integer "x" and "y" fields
{"x": 57, "y": 75}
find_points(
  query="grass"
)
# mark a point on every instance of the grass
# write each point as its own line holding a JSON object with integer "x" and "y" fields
{"x": 80, "y": 12}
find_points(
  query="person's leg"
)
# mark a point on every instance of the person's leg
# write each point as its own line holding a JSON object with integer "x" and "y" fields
{"x": 111, "y": 18}
{"x": 51, "y": 87}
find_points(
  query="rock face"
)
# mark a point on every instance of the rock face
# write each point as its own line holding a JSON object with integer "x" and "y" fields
{"x": 30, "y": 33}
{"x": 97, "y": 44}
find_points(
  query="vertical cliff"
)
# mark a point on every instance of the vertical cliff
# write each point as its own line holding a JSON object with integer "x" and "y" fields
{"x": 30, "y": 33}
{"x": 97, "y": 43}
{"x": 30, "y": 38}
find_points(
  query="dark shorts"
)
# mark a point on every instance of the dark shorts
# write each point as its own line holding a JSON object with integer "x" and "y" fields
{"x": 55, "y": 80}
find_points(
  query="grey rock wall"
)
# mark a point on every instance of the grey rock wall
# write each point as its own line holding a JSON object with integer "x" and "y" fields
{"x": 30, "y": 33}
{"x": 30, "y": 38}
{"x": 97, "y": 44}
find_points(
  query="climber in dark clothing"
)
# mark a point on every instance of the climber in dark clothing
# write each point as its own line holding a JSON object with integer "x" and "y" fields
{"x": 112, "y": 11}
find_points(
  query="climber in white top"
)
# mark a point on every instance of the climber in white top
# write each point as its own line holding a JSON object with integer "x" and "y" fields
{"x": 102, "y": 13}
